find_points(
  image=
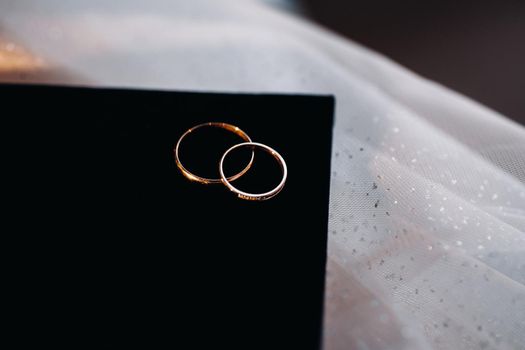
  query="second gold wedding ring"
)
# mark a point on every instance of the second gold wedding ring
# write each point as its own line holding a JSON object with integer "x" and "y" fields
{"x": 255, "y": 196}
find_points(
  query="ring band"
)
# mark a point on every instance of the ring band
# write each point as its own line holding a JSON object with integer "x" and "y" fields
{"x": 255, "y": 196}
{"x": 189, "y": 175}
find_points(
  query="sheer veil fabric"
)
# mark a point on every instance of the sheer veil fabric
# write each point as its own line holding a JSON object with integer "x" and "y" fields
{"x": 427, "y": 210}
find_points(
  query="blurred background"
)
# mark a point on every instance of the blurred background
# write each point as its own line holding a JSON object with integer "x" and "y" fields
{"x": 474, "y": 47}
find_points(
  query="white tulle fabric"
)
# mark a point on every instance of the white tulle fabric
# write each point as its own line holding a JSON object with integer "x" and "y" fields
{"x": 427, "y": 209}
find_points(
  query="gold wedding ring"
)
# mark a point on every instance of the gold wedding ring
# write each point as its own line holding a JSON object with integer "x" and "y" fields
{"x": 228, "y": 180}
{"x": 255, "y": 196}
{"x": 191, "y": 176}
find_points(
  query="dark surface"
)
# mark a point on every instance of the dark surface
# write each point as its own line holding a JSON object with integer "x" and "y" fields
{"x": 120, "y": 249}
{"x": 474, "y": 47}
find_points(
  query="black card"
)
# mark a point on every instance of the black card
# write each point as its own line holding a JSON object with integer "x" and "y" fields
{"x": 132, "y": 253}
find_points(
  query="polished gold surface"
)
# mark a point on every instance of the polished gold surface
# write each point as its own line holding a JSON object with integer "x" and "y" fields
{"x": 255, "y": 196}
{"x": 189, "y": 175}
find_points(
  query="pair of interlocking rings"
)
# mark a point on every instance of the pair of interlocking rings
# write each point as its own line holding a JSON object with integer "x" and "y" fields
{"x": 227, "y": 181}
